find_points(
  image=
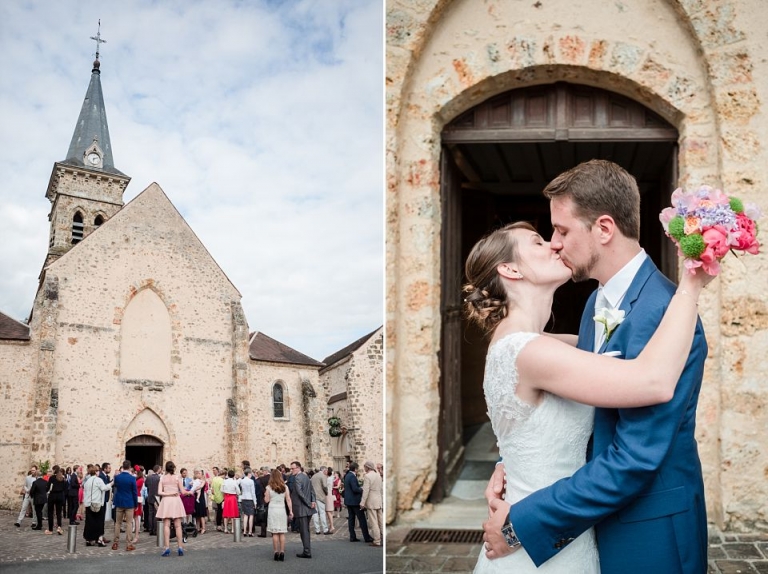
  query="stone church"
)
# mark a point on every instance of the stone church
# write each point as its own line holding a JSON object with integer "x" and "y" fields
{"x": 137, "y": 345}
{"x": 487, "y": 102}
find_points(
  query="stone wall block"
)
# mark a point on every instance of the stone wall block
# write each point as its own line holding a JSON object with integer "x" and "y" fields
{"x": 521, "y": 51}
{"x": 401, "y": 28}
{"x": 740, "y": 146}
{"x": 597, "y": 52}
{"x": 715, "y": 27}
{"x": 738, "y": 106}
{"x": 625, "y": 58}
{"x": 572, "y": 49}
{"x": 696, "y": 152}
{"x": 682, "y": 91}
{"x": 653, "y": 74}
{"x": 730, "y": 68}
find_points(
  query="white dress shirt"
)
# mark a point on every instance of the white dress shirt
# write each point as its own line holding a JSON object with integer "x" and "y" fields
{"x": 612, "y": 293}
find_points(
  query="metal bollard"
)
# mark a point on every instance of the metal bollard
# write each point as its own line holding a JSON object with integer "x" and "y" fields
{"x": 72, "y": 539}
{"x": 238, "y": 530}
{"x": 160, "y": 531}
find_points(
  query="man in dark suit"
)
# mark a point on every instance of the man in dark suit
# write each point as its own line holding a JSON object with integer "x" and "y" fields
{"x": 263, "y": 480}
{"x": 38, "y": 493}
{"x": 106, "y": 468}
{"x": 150, "y": 504}
{"x": 353, "y": 493}
{"x": 303, "y": 501}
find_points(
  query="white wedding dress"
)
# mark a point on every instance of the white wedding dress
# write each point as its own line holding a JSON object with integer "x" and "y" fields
{"x": 539, "y": 445}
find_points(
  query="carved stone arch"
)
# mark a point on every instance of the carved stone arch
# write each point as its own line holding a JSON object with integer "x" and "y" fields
{"x": 175, "y": 330}
{"x": 149, "y": 420}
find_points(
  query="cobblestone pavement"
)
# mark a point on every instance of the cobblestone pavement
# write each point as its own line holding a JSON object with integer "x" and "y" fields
{"x": 27, "y": 545}
{"x": 729, "y": 553}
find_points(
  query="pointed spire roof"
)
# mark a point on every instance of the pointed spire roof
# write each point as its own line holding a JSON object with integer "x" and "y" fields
{"x": 91, "y": 131}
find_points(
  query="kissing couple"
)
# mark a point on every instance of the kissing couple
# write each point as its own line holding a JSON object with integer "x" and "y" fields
{"x": 631, "y": 499}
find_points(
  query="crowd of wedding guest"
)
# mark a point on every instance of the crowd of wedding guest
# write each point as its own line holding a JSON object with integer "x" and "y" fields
{"x": 266, "y": 500}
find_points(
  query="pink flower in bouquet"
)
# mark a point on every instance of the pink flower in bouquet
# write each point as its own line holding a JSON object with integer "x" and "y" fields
{"x": 692, "y": 224}
{"x": 666, "y": 216}
{"x": 716, "y": 239}
{"x": 709, "y": 261}
{"x": 745, "y": 235}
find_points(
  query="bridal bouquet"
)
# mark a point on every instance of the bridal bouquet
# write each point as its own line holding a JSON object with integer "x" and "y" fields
{"x": 706, "y": 224}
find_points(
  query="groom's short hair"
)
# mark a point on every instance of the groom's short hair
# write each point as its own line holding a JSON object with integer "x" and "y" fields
{"x": 600, "y": 187}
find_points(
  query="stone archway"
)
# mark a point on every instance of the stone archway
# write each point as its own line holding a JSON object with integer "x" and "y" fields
{"x": 443, "y": 58}
{"x": 148, "y": 436}
{"x": 496, "y": 159}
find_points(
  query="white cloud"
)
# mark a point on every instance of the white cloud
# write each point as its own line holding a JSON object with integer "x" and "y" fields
{"x": 262, "y": 122}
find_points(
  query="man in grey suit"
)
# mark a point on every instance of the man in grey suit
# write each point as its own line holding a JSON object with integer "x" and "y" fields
{"x": 303, "y": 501}
{"x": 150, "y": 504}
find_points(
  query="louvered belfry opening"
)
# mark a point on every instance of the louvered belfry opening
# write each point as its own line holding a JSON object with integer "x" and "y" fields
{"x": 497, "y": 157}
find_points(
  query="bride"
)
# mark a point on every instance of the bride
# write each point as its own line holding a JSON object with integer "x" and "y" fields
{"x": 538, "y": 388}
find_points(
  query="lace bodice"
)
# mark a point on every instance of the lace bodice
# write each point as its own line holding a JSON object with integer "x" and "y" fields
{"x": 540, "y": 444}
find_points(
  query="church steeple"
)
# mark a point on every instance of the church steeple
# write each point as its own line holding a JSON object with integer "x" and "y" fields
{"x": 90, "y": 145}
{"x": 85, "y": 188}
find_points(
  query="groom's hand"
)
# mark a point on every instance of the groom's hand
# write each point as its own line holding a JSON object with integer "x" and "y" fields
{"x": 495, "y": 544}
{"x": 495, "y": 488}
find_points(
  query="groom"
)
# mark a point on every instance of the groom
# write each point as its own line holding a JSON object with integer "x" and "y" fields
{"x": 642, "y": 488}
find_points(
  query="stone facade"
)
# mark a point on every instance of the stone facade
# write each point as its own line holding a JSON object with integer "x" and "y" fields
{"x": 136, "y": 331}
{"x": 301, "y": 433}
{"x": 352, "y": 380}
{"x": 699, "y": 64}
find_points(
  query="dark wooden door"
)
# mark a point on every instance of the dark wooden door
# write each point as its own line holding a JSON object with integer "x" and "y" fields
{"x": 450, "y": 441}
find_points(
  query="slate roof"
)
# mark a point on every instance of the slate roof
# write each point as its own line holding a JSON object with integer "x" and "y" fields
{"x": 349, "y": 349}
{"x": 92, "y": 122}
{"x": 13, "y": 329}
{"x": 265, "y": 348}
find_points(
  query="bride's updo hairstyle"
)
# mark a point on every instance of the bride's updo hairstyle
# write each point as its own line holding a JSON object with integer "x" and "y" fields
{"x": 485, "y": 299}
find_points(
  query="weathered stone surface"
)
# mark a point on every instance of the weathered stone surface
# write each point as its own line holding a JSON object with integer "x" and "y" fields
{"x": 702, "y": 70}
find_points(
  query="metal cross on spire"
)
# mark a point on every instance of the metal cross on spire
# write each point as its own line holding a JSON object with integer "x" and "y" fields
{"x": 98, "y": 39}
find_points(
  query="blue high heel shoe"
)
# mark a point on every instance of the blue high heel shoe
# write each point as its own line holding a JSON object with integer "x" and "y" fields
{"x": 166, "y": 552}
{"x": 181, "y": 552}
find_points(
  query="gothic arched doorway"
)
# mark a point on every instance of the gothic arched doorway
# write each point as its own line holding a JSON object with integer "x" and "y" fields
{"x": 144, "y": 450}
{"x": 496, "y": 159}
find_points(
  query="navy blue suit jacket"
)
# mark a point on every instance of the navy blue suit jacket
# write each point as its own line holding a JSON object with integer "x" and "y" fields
{"x": 642, "y": 490}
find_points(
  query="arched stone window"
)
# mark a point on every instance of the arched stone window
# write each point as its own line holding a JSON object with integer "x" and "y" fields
{"x": 98, "y": 221}
{"x": 77, "y": 228}
{"x": 279, "y": 408}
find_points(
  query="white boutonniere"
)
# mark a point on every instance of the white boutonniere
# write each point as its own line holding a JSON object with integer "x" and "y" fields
{"x": 610, "y": 319}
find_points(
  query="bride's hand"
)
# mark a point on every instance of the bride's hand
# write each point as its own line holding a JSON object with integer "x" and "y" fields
{"x": 495, "y": 544}
{"x": 693, "y": 283}
{"x": 495, "y": 488}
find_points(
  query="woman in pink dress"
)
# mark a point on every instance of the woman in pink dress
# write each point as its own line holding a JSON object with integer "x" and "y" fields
{"x": 171, "y": 507}
{"x": 337, "y": 491}
{"x": 330, "y": 500}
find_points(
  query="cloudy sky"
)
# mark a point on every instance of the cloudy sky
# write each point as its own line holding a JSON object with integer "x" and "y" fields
{"x": 261, "y": 120}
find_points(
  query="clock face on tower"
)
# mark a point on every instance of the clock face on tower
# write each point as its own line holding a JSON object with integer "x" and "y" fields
{"x": 94, "y": 159}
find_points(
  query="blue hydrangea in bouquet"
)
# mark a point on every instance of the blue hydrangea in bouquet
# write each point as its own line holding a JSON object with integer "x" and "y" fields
{"x": 706, "y": 224}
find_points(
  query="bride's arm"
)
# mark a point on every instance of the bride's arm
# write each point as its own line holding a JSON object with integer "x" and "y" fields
{"x": 571, "y": 340}
{"x": 608, "y": 382}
